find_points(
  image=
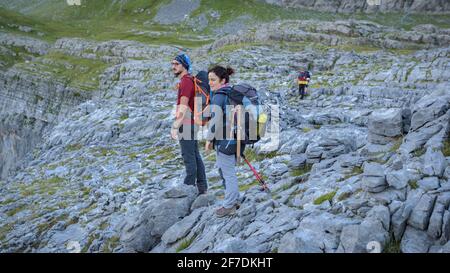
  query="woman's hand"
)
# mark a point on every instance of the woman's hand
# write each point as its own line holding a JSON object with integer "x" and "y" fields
{"x": 208, "y": 146}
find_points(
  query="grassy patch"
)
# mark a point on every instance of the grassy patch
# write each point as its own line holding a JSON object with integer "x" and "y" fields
{"x": 306, "y": 130}
{"x": 301, "y": 171}
{"x": 89, "y": 242}
{"x": 111, "y": 244}
{"x": 358, "y": 48}
{"x": 46, "y": 226}
{"x": 4, "y": 230}
{"x": 87, "y": 177}
{"x": 233, "y": 47}
{"x": 123, "y": 117}
{"x": 252, "y": 156}
{"x": 85, "y": 191}
{"x": 446, "y": 148}
{"x": 419, "y": 152}
{"x": 326, "y": 197}
{"x": 248, "y": 186}
{"x": 14, "y": 54}
{"x": 185, "y": 243}
{"x": 7, "y": 201}
{"x": 105, "y": 152}
{"x": 105, "y": 20}
{"x": 398, "y": 142}
{"x": 16, "y": 210}
{"x": 121, "y": 189}
{"x": 73, "y": 147}
{"x": 132, "y": 156}
{"x": 42, "y": 186}
{"x": 162, "y": 155}
{"x": 76, "y": 72}
{"x": 284, "y": 187}
{"x": 413, "y": 184}
{"x": 357, "y": 170}
{"x": 392, "y": 246}
{"x": 88, "y": 209}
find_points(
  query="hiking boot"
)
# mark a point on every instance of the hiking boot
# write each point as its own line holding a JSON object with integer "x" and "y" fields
{"x": 221, "y": 212}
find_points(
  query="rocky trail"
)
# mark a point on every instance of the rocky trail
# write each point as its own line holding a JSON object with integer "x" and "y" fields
{"x": 362, "y": 163}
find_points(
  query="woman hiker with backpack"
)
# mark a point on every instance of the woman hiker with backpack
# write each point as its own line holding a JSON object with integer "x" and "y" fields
{"x": 226, "y": 149}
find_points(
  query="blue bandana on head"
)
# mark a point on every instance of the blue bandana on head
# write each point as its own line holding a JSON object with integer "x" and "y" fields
{"x": 184, "y": 60}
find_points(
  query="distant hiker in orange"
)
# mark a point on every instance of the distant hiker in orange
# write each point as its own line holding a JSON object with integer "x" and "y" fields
{"x": 303, "y": 80}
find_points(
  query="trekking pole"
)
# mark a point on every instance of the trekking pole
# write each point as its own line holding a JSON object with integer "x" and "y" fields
{"x": 258, "y": 177}
{"x": 238, "y": 151}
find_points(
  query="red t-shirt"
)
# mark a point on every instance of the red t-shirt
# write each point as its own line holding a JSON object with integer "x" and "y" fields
{"x": 186, "y": 89}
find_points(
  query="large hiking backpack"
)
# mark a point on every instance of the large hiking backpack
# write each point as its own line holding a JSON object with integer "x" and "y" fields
{"x": 202, "y": 98}
{"x": 303, "y": 77}
{"x": 255, "y": 119}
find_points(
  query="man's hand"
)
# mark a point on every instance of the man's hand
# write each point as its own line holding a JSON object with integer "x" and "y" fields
{"x": 174, "y": 133}
{"x": 208, "y": 146}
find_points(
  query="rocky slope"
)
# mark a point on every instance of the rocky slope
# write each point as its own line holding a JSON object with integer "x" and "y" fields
{"x": 418, "y": 6}
{"x": 362, "y": 164}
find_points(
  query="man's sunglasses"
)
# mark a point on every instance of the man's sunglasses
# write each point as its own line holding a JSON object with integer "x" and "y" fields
{"x": 175, "y": 63}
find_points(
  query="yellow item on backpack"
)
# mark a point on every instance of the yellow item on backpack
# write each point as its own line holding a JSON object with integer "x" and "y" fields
{"x": 262, "y": 121}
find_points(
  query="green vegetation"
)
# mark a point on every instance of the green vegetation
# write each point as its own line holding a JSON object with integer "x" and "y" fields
{"x": 123, "y": 117}
{"x": 133, "y": 156}
{"x": 45, "y": 226}
{"x": 91, "y": 239}
{"x": 16, "y": 54}
{"x": 162, "y": 155}
{"x": 185, "y": 243}
{"x": 446, "y": 147}
{"x": 7, "y": 201}
{"x": 132, "y": 20}
{"x": 398, "y": 142}
{"x": 76, "y": 72}
{"x": 284, "y": 187}
{"x": 413, "y": 184}
{"x": 17, "y": 209}
{"x": 301, "y": 171}
{"x": 73, "y": 147}
{"x": 326, "y": 197}
{"x": 248, "y": 186}
{"x": 355, "y": 171}
{"x": 41, "y": 186}
{"x": 392, "y": 246}
{"x": 105, "y": 152}
{"x": 111, "y": 244}
{"x": 102, "y": 20}
{"x": 5, "y": 229}
{"x": 419, "y": 152}
{"x": 252, "y": 156}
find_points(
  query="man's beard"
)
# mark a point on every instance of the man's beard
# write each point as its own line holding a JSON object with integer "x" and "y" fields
{"x": 176, "y": 74}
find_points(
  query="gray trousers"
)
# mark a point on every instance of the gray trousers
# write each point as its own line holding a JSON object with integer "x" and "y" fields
{"x": 195, "y": 169}
{"x": 227, "y": 170}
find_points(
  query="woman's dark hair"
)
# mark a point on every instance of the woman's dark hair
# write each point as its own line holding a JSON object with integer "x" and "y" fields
{"x": 222, "y": 72}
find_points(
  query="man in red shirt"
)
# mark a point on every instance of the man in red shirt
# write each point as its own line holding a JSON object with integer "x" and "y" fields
{"x": 184, "y": 129}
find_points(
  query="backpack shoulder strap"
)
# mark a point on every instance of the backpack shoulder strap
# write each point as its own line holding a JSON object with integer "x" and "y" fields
{"x": 221, "y": 92}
